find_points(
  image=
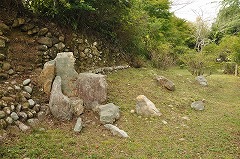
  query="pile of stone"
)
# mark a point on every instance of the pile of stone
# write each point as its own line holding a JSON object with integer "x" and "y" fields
{"x": 70, "y": 93}
{"x": 89, "y": 55}
{"x": 18, "y": 108}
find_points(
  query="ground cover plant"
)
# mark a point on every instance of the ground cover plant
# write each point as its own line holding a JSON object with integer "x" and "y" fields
{"x": 180, "y": 132}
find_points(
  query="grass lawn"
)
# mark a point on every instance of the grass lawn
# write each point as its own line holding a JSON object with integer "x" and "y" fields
{"x": 212, "y": 133}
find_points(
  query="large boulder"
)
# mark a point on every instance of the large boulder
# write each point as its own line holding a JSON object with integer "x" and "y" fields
{"x": 65, "y": 69}
{"x": 163, "y": 81}
{"x": 92, "y": 88}
{"x": 145, "y": 107}
{"x": 59, "y": 104}
{"x": 202, "y": 80}
{"x": 47, "y": 76}
{"x": 108, "y": 113}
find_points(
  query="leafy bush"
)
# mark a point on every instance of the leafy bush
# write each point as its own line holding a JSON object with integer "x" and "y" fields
{"x": 229, "y": 67}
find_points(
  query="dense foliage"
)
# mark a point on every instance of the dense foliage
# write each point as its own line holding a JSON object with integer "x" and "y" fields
{"x": 146, "y": 29}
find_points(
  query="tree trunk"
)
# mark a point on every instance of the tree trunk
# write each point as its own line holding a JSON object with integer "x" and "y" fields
{"x": 236, "y": 69}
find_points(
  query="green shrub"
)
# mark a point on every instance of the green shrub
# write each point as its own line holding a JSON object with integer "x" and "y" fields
{"x": 229, "y": 67}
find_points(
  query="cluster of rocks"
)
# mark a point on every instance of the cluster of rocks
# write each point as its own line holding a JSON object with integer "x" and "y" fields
{"x": 52, "y": 41}
{"x": 5, "y": 67}
{"x": 18, "y": 108}
{"x": 70, "y": 93}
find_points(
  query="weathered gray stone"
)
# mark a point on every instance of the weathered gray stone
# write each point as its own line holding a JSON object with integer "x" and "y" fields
{"x": 108, "y": 113}
{"x": 14, "y": 116}
{"x": 91, "y": 88}
{"x": 202, "y": 80}
{"x": 47, "y": 76}
{"x": 77, "y": 106}
{"x": 26, "y": 82}
{"x": 22, "y": 126}
{"x": 198, "y": 105}
{"x": 45, "y": 41}
{"x": 145, "y": 107}
{"x": 116, "y": 131}
{"x": 31, "y": 103}
{"x": 7, "y": 110}
{"x": 78, "y": 126}
{"x": 33, "y": 122}
{"x": 28, "y": 89}
{"x": 59, "y": 104}
{"x": 65, "y": 69}
{"x": 163, "y": 81}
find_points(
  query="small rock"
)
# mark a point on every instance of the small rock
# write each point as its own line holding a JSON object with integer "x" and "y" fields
{"x": 28, "y": 89}
{"x": 27, "y": 27}
{"x": 185, "y": 118}
{"x": 6, "y": 66}
{"x": 23, "y": 116}
{"x": 164, "y": 122}
{"x": 202, "y": 80}
{"x": 145, "y": 107}
{"x": 109, "y": 113}
{"x": 11, "y": 72}
{"x": 14, "y": 116}
{"x": 132, "y": 111}
{"x": 26, "y": 95}
{"x": 2, "y": 43}
{"x": 198, "y": 105}
{"x": 9, "y": 120}
{"x": 45, "y": 41}
{"x": 29, "y": 114}
{"x": 77, "y": 105}
{"x": 7, "y": 110}
{"x": 42, "y": 48}
{"x": 2, "y": 114}
{"x": 2, "y": 57}
{"x": 43, "y": 31}
{"x": 163, "y": 81}
{"x": 25, "y": 106}
{"x": 31, "y": 103}
{"x": 33, "y": 122}
{"x": 22, "y": 126}
{"x": 78, "y": 126}
{"x": 17, "y": 87}
{"x": 26, "y": 82}
{"x": 116, "y": 131}
{"x": 18, "y": 107}
{"x": 41, "y": 115}
{"x": 3, "y": 124}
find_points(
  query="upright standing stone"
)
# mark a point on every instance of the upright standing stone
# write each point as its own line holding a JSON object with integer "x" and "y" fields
{"x": 47, "y": 76}
{"x": 59, "y": 104}
{"x": 65, "y": 69}
{"x": 92, "y": 88}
